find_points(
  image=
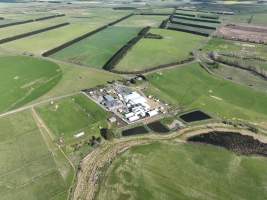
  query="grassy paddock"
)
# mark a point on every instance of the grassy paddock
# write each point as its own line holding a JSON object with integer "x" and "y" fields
{"x": 81, "y": 23}
{"x": 96, "y": 50}
{"x": 240, "y": 48}
{"x": 192, "y": 87}
{"x": 24, "y": 79}
{"x": 28, "y": 169}
{"x": 189, "y": 171}
{"x": 148, "y": 53}
{"x": 73, "y": 115}
{"x": 143, "y": 21}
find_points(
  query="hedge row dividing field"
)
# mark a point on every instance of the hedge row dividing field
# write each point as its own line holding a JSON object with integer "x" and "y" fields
{"x": 16, "y": 37}
{"x": 96, "y": 50}
{"x": 110, "y": 64}
{"x": 147, "y": 53}
{"x": 196, "y": 19}
{"x": 191, "y": 87}
{"x": 30, "y": 20}
{"x": 143, "y": 21}
{"x": 31, "y": 166}
{"x": 189, "y": 29}
{"x": 49, "y": 17}
{"x": 69, "y": 43}
{"x": 30, "y": 27}
{"x": 24, "y": 79}
{"x": 192, "y": 23}
{"x": 43, "y": 42}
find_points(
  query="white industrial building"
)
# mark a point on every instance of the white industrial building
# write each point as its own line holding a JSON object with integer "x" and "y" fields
{"x": 138, "y": 107}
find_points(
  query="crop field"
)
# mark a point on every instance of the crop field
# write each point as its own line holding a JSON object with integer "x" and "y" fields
{"x": 143, "y": 21}
{"x": 147, "y": 53}
{"x": 24, "y": 79}
{"x": 73, "y": 115}
{"x": 80, "y": 24}
{"x": 96, "y": 50}
{"x": 191, "y": 87}
{"x": 190, "y": 171}
{"x": 28, "y": 168}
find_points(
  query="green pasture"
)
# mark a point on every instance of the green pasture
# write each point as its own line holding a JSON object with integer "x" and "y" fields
{"x": 239, "y": 48}
{"x": 191, "y": 87}
{"x": 96, "y": 50}
{"x": 148, "y": 53}
{"x": 73, "y": 115}
{"x": 143, "y": 21}
{"x": 75, "y": 79}
{"x": 28, "y": 27}
{"x": 45, "y": 41}
{"x": 192, "y": 22}
{"x": 240, "y": 76}
{"x": 184, "y": 171}
{"x": 24, "y": 79}
{"x": 28, "y": 168}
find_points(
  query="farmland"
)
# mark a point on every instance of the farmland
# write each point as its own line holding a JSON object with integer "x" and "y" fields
{"x": 24, "y": 79}
{"x": 147, "y": 53}
{"x": 96, "y": 50}
{"x": 24, "y": 28}
{"x": 29, "y": 168}
{"x": 192, "y": 87}
{"x": 76, "y": 78}
{"x": 190, "y": 171}
{"x": 42, "y": 42}
{"x": 113, "y": 102}
{"x": 142, "y": 21}
{"x": 239, "y": 48}
{"x": 73, "y": 115}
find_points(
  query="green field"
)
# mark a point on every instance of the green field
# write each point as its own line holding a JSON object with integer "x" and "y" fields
{"x": 148, "y": 53}
{"x": 73, "y": 115}
{"x": 76, "y": 78}
{"x": 28, "y": 168}
{"x": 239, "y": 48}
{"x": 24, "y": 79}
{"x": 192, "y": 87}
{"x": 143, "y": 21}
{"x": 192, "y": 22}
{"x": 190, "y": 171}
{"x": 81, "y": 23}
{"x": 28, "y": 27}
{"x": 96, "y": 50}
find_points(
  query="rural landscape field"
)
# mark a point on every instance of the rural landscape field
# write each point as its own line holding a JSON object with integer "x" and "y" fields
{"x": 133, "y": 99}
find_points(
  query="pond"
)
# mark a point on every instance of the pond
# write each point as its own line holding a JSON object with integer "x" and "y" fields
{"x": 194, "y": 116}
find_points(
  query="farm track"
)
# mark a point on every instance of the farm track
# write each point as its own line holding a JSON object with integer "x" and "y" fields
{"x": 36, "y": 104}
{"x": 49, "y": 140}
{"x": 94, "y": 164}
